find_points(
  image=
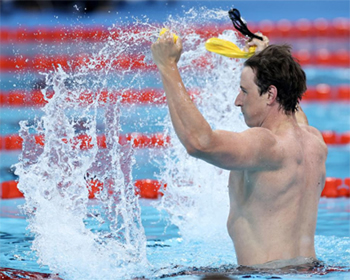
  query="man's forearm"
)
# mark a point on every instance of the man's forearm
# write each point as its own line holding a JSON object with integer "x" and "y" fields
{"x": 192, "y": 129}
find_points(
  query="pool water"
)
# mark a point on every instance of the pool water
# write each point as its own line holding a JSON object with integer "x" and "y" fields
{"x": 165, "y": 246}
{"x": 203, "y": 245}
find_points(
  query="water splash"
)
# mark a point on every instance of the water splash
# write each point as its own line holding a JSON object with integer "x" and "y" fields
{"x": 79, "y": 238}
{"x": 74, "y": 237}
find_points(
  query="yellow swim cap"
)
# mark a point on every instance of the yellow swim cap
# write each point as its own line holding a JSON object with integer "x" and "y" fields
{"x": 227, "y": 48}
{"x": 165, "y": 30}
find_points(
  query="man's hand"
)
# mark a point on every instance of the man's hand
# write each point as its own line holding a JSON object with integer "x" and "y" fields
{"x": 260, "y": 45}
{"x": 300, "y": 116}
{"x": 165, "y": 52}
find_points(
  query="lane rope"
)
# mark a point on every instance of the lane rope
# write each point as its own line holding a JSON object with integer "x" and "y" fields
{"x": 23, "y": 98}
{"x": 153, "y": 189}
{"x": 337, "y": 28}
{"x": 150, "y": 96}
{"x": 85, "y": 142}
{"x": 137, "y": 140}
{"x": 39, "y": 62}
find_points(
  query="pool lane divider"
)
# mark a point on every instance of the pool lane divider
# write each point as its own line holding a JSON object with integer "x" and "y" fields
{"x": 84, "y": 142}
{"x": 14, "y": 142}
{"x": 153, "y": 189}
{"x": 150, "y": 96}
{"x": 40, "y": 62}
{"x": 144, "y": 188}
{"x": 325, "y": 92}
{"x": 301, "y": 28}
{"x": 21, "y": 98}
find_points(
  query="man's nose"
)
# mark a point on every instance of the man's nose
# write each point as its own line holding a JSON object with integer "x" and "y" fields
{"x": 238, "y": 101}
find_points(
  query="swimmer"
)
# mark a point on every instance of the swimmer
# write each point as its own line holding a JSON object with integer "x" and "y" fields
{"x": 277, "y": 166}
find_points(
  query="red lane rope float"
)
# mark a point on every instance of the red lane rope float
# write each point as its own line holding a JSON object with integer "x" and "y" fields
{"x": 152, "y": 189}
{"x": 323, "y": 57}
{"x": 84, "y": 142}
{"x": 145, "y": 188}
{"x": 138, "y": 140}
{"x": 333, "y": 138}
{"x": 337, "y": 28}
{"x": 335, "y": 187}
{"x": 324, "y": 92}
{"x": 44, "y": 63}
{"x": 17, "y": 98}
{"x": 36, "y": 98}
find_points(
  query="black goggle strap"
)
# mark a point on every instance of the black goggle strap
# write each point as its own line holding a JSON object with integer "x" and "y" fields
{"x": 240, "y": 24}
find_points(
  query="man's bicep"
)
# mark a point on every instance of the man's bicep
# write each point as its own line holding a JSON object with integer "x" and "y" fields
{"x": 226, "y": 150}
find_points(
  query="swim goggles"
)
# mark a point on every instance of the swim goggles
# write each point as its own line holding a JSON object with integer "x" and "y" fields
{"x": 227, "y": 48}
{"x": 241, "y": 25}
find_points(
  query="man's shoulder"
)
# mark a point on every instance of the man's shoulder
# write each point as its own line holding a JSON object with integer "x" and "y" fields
{"x": 260, "y": 136}
{"x": 271, "y": 139}
{"x": 315, "y": 134}
{"x": 312, "y": 130}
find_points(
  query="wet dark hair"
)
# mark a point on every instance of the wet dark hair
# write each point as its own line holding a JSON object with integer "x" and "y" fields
{"x": 276, "y": 66}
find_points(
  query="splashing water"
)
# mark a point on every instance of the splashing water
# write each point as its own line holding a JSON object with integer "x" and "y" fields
{"x": 96, "y": 239}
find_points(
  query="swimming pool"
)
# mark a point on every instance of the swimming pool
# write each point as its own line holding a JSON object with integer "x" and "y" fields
{"x": 169, "y": 254}
{"x": 165, "y": 246}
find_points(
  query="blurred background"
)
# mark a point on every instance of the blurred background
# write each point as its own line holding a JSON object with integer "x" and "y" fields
{"x": 35, "y": 34}
{"x": 253, "y": 9}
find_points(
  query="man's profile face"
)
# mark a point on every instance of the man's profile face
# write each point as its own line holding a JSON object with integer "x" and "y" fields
{"x": 249, "y": 99}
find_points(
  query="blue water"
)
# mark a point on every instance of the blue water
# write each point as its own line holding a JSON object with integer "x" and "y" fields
{"x": 165, "y": 244}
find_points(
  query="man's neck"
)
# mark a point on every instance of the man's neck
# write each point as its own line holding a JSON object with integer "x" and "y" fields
{"x": 276, "y": 119}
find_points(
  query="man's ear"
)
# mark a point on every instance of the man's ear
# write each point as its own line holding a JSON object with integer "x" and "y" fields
{"x": 271, "y": 94}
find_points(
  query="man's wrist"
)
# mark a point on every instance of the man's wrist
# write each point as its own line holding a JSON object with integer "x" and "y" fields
{"x": 167, "y": 68}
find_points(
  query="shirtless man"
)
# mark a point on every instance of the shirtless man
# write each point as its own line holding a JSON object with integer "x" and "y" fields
{"x": 277, "y": 166}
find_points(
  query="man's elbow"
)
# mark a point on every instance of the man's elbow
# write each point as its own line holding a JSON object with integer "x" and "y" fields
{"x": 193, "y": 151}
{"x": 195, "y": 148}
{"x": 199, "y": 150}
{"x": 209, "y": 157}
{"x": 198, "y": 146}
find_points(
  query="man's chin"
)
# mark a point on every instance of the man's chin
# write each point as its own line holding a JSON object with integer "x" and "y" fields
{"x": 248, "y": 123}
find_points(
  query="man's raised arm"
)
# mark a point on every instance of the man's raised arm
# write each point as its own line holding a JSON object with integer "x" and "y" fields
{"x": 228, "y": 150}
{"x": 190, "y": 126}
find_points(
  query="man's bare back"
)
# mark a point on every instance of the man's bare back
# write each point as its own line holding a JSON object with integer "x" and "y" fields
{"x": 273, "y": 212}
